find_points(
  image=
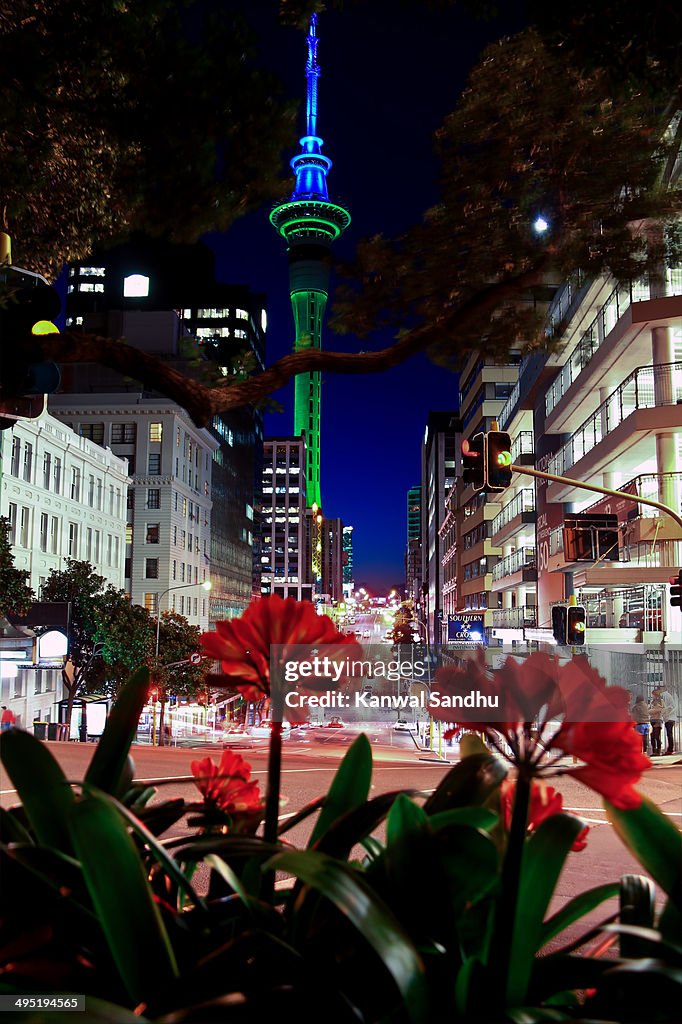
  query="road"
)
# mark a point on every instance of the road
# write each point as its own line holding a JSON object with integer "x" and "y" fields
{"x": 309, "y": 766}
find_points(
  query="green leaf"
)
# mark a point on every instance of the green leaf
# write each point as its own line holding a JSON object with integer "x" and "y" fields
{"x": 476, "y": 817}
{"x": 41, "y": 786}
{"x": 301, "y": 815}
{"x": 356, "y": 825}
{"x": 655, "y": 842}
{"x": 469, "y": 783}
{"x": 349, "y": 788}
{"x": 115, "y": 877}
{"x": 544, "y": 855}
{"x": 575, "y": 909}
{"x": 349, "y": 892}
{"x": 11, "y": 829}
{"x": 109, "y": 769}
{"x": 405, "y": 820}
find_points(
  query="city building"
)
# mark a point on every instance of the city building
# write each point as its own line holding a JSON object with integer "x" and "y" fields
{"x": 332, "y": 560}
{"x": 164, "y": 299}
{"x": 169, "y": 505}
{"x": 282, "y": 549}
{"x": 438, "y": 477}
{"x": 413, "y": 549}
{"x": 309, "y": 223}
{"x": 348, "y": 581}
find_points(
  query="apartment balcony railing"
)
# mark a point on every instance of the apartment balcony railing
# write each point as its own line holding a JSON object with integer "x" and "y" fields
{"x": 646, "y": 387}
{"x": 524, "y": 501}
{"x": 648, "y": 485}
{"x": 515, "y": 618}
{"x": 529, "y": 368}
{"x": 524, "y": 558}
{"x": 620, "y": 300}
{"x": 523, "y": 444}
{"x": 566, "y": 299}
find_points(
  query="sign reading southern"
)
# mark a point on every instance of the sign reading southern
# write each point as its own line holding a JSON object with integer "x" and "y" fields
{"x": 466, "y": 629}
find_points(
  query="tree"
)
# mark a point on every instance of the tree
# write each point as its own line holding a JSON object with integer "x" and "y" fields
{"x": 566, "y": 136}
{"x": 108, "y": 636}
{"x": 16, "y": 596}
{"x": 177, "y": 641}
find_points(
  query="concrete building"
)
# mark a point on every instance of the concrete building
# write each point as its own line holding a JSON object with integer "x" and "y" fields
{"x": 348, "y": 580}
{"x": 164, "y": 299}
{"x": 438, "y": 477}
{"x": 332, "y": 560}
{"x": 282, "y": 548}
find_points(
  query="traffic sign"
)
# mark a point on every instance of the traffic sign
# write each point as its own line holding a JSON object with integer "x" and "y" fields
{"x": 195, "y": 659}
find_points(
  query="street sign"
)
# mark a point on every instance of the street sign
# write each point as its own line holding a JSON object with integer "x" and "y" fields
{"x": 195, "y": 659}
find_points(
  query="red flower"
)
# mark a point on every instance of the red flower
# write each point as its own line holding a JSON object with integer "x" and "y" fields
{"x": 612, "y": 752}
{"x": 227, "y": 785}
{"x": 243, "y": 645}
{"x": 544, "y": 802}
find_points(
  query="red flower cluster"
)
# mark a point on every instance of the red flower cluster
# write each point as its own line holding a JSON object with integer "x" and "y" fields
{"x": 544, "y": 802}
{"x": 227, "y": 785}
{"x": 612, "y": 752}
{"x": 243, "y": 645}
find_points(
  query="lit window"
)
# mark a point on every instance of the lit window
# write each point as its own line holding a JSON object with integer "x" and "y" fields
{"x": 263, "y": 320}
{"x": 212, "y": 332}
{"x": 88, "y": 286}
{"x": 153, "y": 533}
{"x": 91, "y": 272}
{"x": 135, "y": 286}
{"x": 155, "y": 431}
{"x": 187, "y": 314}
{"x": 241, "y": 314}
{"x": 239, "y": 333}
{"x": 151, "y": 603}
{"x": 213, "y": 314}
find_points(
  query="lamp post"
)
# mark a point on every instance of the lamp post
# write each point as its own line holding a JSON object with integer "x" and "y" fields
{"x": 206, "y": 585}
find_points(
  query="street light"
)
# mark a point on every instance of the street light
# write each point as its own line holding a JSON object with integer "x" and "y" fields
{"x": 183, "y": 586}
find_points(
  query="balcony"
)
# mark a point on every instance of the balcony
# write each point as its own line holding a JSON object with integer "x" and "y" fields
{"x": 515, "y": 618}
{"x": 521, "y": 564}
{"x": 647, "y": 388}
{"x": 517, "y": 512}
{"x": 523, "y": 448}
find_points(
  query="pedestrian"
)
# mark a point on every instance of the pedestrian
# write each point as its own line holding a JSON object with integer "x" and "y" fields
{"x": 8, "y": 719}
{"x": 641, "y": 716}
{"x": 656, "y": 713}
{"x": 669, "y": 717}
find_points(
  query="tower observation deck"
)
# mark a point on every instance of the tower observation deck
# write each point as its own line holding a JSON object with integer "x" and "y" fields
{"x": 309, "y": 223}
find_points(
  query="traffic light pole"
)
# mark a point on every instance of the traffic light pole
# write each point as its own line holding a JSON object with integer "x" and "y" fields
{"x": 600, "y": 490}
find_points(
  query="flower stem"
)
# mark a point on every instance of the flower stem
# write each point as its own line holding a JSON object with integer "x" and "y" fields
{"x": 505, "y": 920}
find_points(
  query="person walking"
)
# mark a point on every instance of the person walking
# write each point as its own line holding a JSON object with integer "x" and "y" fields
{"x": 656, "y": 713}
{"x": 641, "y": 716}
{"x": 669, "y": 716}
{"x": 8, "y": 719}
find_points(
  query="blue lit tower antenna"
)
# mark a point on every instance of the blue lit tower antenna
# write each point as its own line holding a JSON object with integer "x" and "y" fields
{"x": 309, "y": 223}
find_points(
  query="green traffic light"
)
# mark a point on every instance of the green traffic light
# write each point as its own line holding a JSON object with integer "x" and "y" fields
{"x": 504, "y": 459}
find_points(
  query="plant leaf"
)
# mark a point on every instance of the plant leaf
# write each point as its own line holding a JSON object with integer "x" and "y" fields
{"x": 349, "y": 788}
{"x": 41, "y": 785}
{"x": 108, "y": 769}
{"x": 654, "y": 841}
{"x": 575, "y": 909}
{"x": 469, "y": 783}
{"x": 349, "y": 892}
{"x": 115, "y": 876}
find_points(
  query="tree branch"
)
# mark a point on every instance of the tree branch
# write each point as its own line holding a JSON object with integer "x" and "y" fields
{"x": 202, "y": 402}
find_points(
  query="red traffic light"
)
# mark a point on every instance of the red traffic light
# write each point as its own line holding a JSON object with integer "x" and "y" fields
{"x": 154, "y": 693}
{"x": 473, "y": 461}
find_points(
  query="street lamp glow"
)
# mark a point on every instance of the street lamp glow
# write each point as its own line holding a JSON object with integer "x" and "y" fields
{"x": 540, "y": 225}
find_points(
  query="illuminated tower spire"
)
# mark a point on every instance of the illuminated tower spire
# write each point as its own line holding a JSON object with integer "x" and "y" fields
{"x": 309, "y": 223}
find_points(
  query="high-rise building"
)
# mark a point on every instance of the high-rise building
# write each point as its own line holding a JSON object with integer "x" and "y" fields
{"x": 438, "y": 477}
{"x": 309, "y": 223}
{"x": 414, "y": 513}
{"x": 164, "y": 299}
{"x": 282, "y": 552}
{"x": 348, "y": 581}
{"x": 332, "y": 559}
{"x": 413, "y": 549}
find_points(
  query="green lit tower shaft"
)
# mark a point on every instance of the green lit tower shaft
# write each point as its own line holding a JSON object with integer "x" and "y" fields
{"x": 309, "y": 223}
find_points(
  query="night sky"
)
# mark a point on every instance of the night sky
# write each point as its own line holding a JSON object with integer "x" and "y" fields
{"x": 389, "y": 76}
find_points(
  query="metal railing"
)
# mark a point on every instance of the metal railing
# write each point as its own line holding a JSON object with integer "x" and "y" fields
{"x": 523, "y": 444}
{"x": 648, "y": 485}
{"x": 646, "y": 387}
{"x": 618, "y": 302}
{"x": 524, "y": 558}
{"x": 515, "y": 618}
{"x": 523, "y": 501}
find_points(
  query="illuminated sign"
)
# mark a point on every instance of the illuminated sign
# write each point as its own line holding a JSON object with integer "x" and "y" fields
{"x": 469, "y": 630}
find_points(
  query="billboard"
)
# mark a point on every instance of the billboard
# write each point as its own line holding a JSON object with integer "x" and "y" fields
{"x": 466, "y": 629}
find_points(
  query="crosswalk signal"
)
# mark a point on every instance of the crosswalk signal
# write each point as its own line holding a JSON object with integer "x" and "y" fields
{"x": 498, "y": 460}
{"x": 473, "y": 462}
{"x": 676, "y": 590}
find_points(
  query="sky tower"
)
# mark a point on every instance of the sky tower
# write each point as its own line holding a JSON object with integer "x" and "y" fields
{"x": 309, "y": 223}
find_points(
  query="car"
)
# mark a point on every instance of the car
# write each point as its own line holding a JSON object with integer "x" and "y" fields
{"x": 366, "y": 634}
{"x": 334, "y": 723}
{"x": 263, "y": 730}
{"x": 402, "y": 726}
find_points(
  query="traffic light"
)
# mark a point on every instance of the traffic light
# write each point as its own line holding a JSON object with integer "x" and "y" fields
{"x": 473, "y": 462}
{"x": 153, "y": 694}
{"x": 676, "y": 590}
{"x": 559, "y": 620}
{"x": 28, "y": 309}
{"x": 498, "y": 460}
{"x": 575, "y": 625}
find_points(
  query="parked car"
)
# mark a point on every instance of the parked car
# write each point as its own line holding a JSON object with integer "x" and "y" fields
{"x": 334, "y": 723}
{"x": 402, "y": 726}
{"x": 262, "y": 731}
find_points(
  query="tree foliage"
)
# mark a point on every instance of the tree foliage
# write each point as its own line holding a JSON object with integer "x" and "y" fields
{"x": 177, "y": 641}
{"x": 16, "y": 595}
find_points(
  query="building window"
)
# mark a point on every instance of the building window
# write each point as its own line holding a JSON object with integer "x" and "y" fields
{"x": 47, "y": 470}
{"x": 57, "y": 474}
{"x": 123, "y": 433}
{"x": 43, "y": 531}
{"x": 75, "y": 484}
{"x": 16, "y": 455}
{"x": 182, "y": 604}
{"x": 153, "y": 497}
{"x": 88, "y": 544}
{"x": 189, "y": 541}
{"x": 151, "y": 568}
{"x": 175, "y": 535}
{"x": 93, "y": 431}
{"x": 97, "y": 546}
{"x": 184, "y": 506}
{"x": 182, "y": 572}
{"x": 151, "y": 603}
{"x": 110, "y": 544}
{"x": 156, "y": 432}
{"x": 73, "y": 540}
{"x": 154, "y": 464}
{"x": 111, "y": 499}
{"x": 100, "y": 492}
{"x": 28, "y": 461}
{"x": 91, "y": 490}
{"x": 129, "y": 533}
{"x": 153, "y": 530}
{"x": 175, "y": 569}
{"x": 130, "y": 502}
{"x": 241, "y": 314}
{"x": 90, "y": 272}
{"x": 127, "y": 563}
{"x": 118, "y": 502}
{"x": 54, "y": 535}
{"x": 88, "y": 286}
